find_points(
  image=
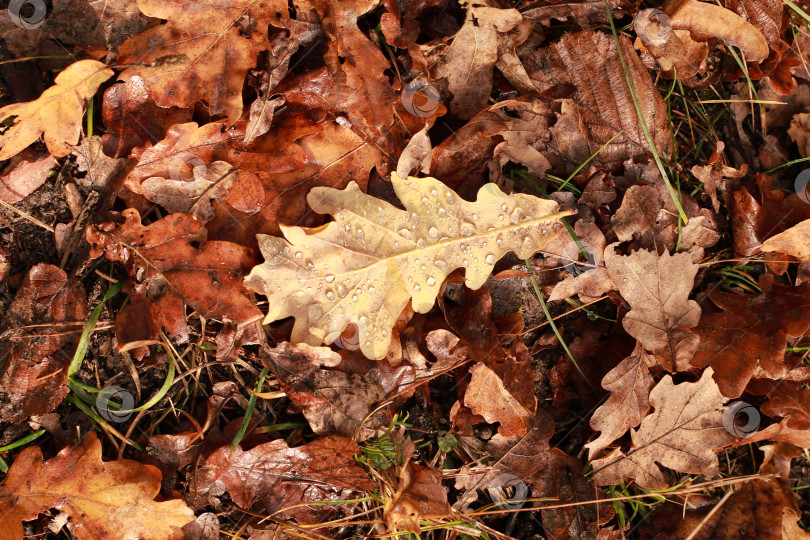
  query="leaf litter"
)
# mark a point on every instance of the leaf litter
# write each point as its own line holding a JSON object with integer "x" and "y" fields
{"x": 350, "y": 269}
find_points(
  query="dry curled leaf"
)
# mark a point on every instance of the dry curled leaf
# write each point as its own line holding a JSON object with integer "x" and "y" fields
{"x": 419, "y": 493}
{"x": 113, "y": 499}
{"x": 366, "y": 266}
{"x": 661, "y": 315}
{"x": 57, "y": 113}
{"x": 681, "y": 433}
{"x": 794, "y": 242}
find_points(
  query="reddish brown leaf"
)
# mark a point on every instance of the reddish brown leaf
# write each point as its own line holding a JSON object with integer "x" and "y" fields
{"x": 273, "y": 477}
{"x": 167, "y": 271}
{"x": 419, "y": 493}
{"x": 751, "y": 331}
{"x": 35, "y": 360}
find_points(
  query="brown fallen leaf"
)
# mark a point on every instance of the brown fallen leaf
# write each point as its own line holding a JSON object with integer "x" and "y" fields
{"x": 563, "y": 479}
{"x": 24, "y": 174}
{"x": 34, "y": 367}
{"x": 629, "y": 384}
{"x": 751, "y": 331}
{"x": 602, "y": 106}
{"x": 794, "y": 242}
{"x": 419, "y": 493}
{"x": 716, "y": 175}
{"x": 167, "y": 272}
{"x": 681, "y": 433}
{"x": 661, "y": 315}
{"x": 57, "y": 113}
{"x": 763, "y": 508}
{"x": 113, "y": 499}
{"x": 371, "y": 242}
{"x": 487, "y": 396}
{"x": 200, "y": 53}
{"x": 273, "y": 477}
{"x": 586, "y": 13}
{"x": 488, "y": 37}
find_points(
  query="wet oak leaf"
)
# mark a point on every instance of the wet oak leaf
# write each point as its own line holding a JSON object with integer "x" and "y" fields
{"x": 661, "y": 316}
{"x": 24, "y": 174}
{"x": 681, "y": 434}
{"x": 34, "y": 368}
{"x": 272, "y": 477}
{"x": 57, "y": 113}
{"x": 751, "y": 331}
{"x": 113, "y": 499}
{"x": 629, "y": 384}
{"x": 373, "y": 259}
{"x": 202, "y": 53}
{"x": 168, "y": 271}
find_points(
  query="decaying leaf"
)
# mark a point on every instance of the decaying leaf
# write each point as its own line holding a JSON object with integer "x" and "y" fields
{"x": 24, "y": 174}
{"x": 113, "y": 499}
{"x": 657, "y": 289}
{"x": 201, "y": 53}
{"x": 374, "y": 258}
{"x": 57, "y": 113}
{"x": 487, "y": 396}
{"x": 681, "y": 433}
{"x": 168, "y": 272}
{"x": 751, "y": 331}
{"x": 794, "y": 242}
{"x": 34, "y": 367}
{"x": 629, "y": 384}
{"x": 272, "y": 477}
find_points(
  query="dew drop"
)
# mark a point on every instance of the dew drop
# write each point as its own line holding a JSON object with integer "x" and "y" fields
{"x": 465, "y": 262}
{"x": 364, "y": 322}
{"x": 330, "y": 278}
{"x": 310, "y": 267}
{"x": 299, "y": 255}
{"x": 449, "y": 198}
{"x": 342, "y": 292}
{"x": 421, "y": 243}
{"x": 433, "y": 232}
{"x": 504, "y": 207}
{"x": 415, "y": 217}
{"x": 490, "y": 259}
{"x": 385, "y": 333}
{"x": 354, "y": 298}
{"x": 438, "y": 263}
{"x": 434, "y": 193}
{"x": 425, "y": 201}
{"x": 431, "y": 281}
{"x": 405, "y": 233}
{"x": 417, "y": 288}
{"x": 330, "y": 295}
{"x": 371, "y": 290}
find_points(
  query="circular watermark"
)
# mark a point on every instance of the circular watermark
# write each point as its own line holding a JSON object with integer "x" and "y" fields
{"x": 118, "y": 414}
{"x": 575, "y": 252}
{"x": 733, "y": 414}
{"x": 183, "y": 168}
{"x": 800, "y": 186}
{"x": 27, "y": 13}
{"x": 508, "y": 491}
{"x": 420, "y": 98}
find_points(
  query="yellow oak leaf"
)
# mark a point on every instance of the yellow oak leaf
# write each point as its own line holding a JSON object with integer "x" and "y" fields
{"x": 365, "y": 266}
{"x": 57, "y": 112}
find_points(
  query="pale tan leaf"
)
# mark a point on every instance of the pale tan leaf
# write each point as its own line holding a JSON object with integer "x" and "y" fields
{"x": 681, "y": 434}
{"x": 629, "y": 384}
{"x": 57, "y": 112}
{"x": 366, "y": 266}
{"x": 657, "y": 289}
{"x": 794, "y": 242}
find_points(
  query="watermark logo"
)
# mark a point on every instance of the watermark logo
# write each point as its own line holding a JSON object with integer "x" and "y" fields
{"x": 185, "y": 168}
{"x": 741, "y": 419}
{"x": 508, "y": 491}
{"x": 800, "y": 185}
{"x": 575, "y": 252}
{"x": 118, "y": 395}
{"x": 420, "y": 98}
{"x": 27, "y": 13}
